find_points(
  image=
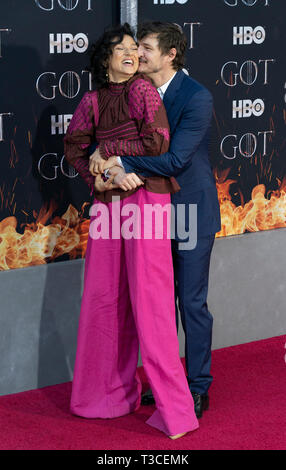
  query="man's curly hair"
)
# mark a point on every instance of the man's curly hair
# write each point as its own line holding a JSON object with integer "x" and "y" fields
{"x": 102, "y": 50}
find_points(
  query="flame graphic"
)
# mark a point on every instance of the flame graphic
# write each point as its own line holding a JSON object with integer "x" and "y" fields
{"x": 260, "y": 213}
{"x": 67, "y": 235}
{"x": 41, "y": 243}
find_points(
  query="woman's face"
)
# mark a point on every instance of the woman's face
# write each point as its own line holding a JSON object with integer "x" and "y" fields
{"x": 123, "y": 63}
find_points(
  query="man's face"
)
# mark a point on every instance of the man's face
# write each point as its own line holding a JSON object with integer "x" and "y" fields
{"x": 151, "y": 59}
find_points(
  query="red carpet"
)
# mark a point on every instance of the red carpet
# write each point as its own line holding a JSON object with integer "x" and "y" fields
{"x": 247, "y": 411}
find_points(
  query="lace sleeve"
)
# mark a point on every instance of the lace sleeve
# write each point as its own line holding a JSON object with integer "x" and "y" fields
{"x": 79, "y": 136}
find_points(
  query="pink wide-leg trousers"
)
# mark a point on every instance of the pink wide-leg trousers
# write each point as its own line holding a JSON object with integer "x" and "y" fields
{"x": 128, "y": 300}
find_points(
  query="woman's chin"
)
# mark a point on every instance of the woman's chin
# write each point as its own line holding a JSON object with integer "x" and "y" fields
{"x": 124, "y": 75}
{"x": 130, "y": 74}
{"x": 131, "y": 71}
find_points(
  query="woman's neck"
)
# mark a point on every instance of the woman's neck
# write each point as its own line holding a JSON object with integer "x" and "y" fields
{"x": 113, "y": 78}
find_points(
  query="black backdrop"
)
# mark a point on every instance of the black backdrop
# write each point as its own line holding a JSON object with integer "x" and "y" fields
{"x": 247, "y": 148}
{"x": 42, "y": 60}
{"x": 43, "y": 57}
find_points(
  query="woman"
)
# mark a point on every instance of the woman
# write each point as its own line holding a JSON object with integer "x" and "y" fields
{"x": 128, "y": 294}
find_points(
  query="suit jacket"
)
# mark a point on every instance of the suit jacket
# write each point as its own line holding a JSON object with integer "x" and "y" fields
{"x": 189, "y": 109}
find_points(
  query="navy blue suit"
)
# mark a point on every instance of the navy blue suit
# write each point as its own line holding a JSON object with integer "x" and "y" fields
{"x": 189, "y": 109}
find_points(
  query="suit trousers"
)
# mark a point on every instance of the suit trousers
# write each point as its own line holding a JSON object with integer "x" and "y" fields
{"x": 191, "y": 271}
{"x": 128, "y": 300}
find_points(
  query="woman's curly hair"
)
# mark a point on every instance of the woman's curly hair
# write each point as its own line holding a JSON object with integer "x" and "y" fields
{"x": 102, "y": 50}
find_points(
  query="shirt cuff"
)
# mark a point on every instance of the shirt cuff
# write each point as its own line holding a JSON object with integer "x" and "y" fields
{"x": 119, "y": 161}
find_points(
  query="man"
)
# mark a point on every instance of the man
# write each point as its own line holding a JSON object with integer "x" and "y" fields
{"x": 189, "y": 108}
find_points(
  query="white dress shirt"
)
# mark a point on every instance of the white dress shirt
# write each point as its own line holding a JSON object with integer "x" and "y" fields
{"x": 161, "y": 90}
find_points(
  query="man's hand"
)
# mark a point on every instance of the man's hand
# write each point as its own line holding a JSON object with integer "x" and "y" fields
{"x": 125, "y": 181}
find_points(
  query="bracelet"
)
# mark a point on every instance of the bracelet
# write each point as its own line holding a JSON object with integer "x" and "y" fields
{"x": 105, "y": 175}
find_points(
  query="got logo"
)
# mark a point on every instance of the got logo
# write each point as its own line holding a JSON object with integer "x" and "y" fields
{"x": 248, "y": 3}
{"x": 68, "y": 5}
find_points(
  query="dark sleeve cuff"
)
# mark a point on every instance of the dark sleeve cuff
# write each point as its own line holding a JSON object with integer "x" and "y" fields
{"x": 102, "y": 151}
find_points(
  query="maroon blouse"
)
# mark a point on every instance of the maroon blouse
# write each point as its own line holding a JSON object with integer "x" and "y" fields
{"x": 130, "y": 119}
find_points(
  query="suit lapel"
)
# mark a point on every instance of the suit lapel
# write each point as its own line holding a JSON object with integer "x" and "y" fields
{"x": 172, "y": 90}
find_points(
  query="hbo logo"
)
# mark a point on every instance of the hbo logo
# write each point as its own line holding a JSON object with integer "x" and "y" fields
{"x": 66, "y": 43}
{"x": 244, "y": 35}
{"x": 169, "y": 2}
{"x": 247, "y": 108}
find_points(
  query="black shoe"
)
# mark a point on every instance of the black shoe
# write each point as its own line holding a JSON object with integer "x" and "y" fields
{"x": 147, "y": 398}
{"x": 201, "y": 403}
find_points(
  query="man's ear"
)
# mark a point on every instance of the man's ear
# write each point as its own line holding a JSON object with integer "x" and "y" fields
{"x": 172, "y": 54}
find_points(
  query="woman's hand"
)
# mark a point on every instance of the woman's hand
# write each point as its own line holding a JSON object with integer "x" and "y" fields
{"x": 118, "y": 179}
{"x": 101, "y": 185}
{"x": 125, "y": 181}
{"x": 97, "y": 164}
{"x": 111, "y": 162}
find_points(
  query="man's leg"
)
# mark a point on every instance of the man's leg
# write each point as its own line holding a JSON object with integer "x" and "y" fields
{"x": 192, "y": 277}
{"x": 191, "y": 270}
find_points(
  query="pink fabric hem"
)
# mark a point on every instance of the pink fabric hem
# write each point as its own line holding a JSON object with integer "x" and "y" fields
{"x": 156, "y": 422}
{"x": 89, "y": 414}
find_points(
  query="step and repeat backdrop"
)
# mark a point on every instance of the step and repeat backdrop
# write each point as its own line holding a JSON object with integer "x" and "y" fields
{"x": 236, "y": 48}
{"x": 43, "y": 56}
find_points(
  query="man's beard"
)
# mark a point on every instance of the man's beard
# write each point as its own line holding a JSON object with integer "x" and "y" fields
{"x": 150, "y": 71}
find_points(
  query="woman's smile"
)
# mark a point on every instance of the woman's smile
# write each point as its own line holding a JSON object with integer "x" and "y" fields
{"x": 124, "y": 61}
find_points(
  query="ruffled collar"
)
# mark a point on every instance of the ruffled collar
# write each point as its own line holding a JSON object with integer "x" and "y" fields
{"x": 117, "y": 88}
